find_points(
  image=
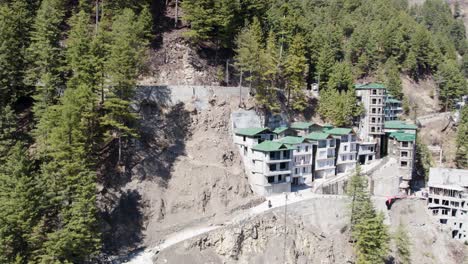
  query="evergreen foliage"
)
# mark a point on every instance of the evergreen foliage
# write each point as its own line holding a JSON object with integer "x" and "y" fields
{"x": 462, "y": 140}
{"x": 367, "y": 227}
{"x": 452, "y": 84}
{"x": 46, "y": 56}
{"x": 403, "y": 243}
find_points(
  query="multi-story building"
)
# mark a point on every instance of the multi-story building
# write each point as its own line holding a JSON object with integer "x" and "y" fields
{"x": 398, "y": 125}
{"x": 271, "y": 168}
{"x": 392, "y": 109}
{"x": 304, "y": 128}
{"x": 246, "y": 138}
{"x": 371, "y": 123}
{"x": 302, "y": 159}
{"x": 366, "y": 152}
{"x": 448, "y": 200}
{"x": 323, "y": 153}
{"x": 284, "y": 131}
{"x": 402, "y": 146}
{"x": 346, "y": 148}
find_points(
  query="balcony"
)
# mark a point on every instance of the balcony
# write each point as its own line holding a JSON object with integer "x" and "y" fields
{"x": 278, "y": 172}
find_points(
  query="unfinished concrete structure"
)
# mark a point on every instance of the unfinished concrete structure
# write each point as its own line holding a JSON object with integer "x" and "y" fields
{"x": 448, "y": 200}
{"x": 371, "y": 123}
{"x": 302, "y": 159}
{"x": 271, "y": 168}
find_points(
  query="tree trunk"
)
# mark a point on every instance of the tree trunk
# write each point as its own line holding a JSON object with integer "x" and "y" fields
{"x": 176, "y": 13}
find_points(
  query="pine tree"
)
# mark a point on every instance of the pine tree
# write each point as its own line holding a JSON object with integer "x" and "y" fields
{"x": 452, "y": 84}
{"x": 341, "y": 77}
{"x": 15, "y": 18}
{"x": 269, "y": 63}
{"x": 249, "y": 51}
{"x": 402, "y": 241}
{"x": 123, "y": 65}
{"x": 295, "y": 70}
{"x": 392, "y": 80}
{"x": 462, "y": 140}
{"x": 325, "y": 63}
{"x": 371, "y": 237}
{"x": 46, "y": 57}
{"x": 20, "y": 200}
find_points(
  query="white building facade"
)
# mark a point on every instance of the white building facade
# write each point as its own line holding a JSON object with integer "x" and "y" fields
{"x": 448, "y": 200}
{"x": 302, "y": 160}
{"x": 324, "y": 155}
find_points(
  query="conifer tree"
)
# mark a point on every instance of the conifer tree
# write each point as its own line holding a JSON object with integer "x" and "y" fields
{"x": 249, "y": 51}
{"x": 325, "y": 63}
{"x": 124, "y": 63}
{"x": 20, "y": 200}
{"x": 392, "y": 80}
{"x": 295, "y": 70}
{"x": 46, "y": 57}
{"x": 15, "y": 21}
{"x": 462, "y": 140}
{"x": 402, "y": 241}
{"x": 269, "y": 63}
{"x": 341, "y": 77}
{"x": 452, "y": 84}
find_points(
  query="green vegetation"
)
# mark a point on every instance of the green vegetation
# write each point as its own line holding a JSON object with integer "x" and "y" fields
{"x": 343, "y": 40}
{"x": 367, "y": 227}
{"x": 81, "y": 77}
{"x": 462, "y": 140}
{"x": 402, "y": 241}
{"x": 424, "y": 160}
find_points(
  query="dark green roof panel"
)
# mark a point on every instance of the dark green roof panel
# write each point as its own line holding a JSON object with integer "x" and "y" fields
{"x": 268, "y": 146}
{"x": 301, "y": 125}
{"x": 370, "y": 86}
{"x": 251, "y": 131}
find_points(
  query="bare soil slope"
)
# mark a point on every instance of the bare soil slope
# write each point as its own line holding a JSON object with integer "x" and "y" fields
{"x": 317, "y": 232}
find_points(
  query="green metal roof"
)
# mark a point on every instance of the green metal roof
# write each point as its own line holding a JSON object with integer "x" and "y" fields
{"x": 317, "y": 136}
{"x": 279, "y": 130}
{"x": 290, "y": 140}
{"x": 268, "y": 146}
{"x": 301, "y": 125}
{"x": 327, "y": 126}
{"x": 398, "y": 124}
{"x": 251, "y": 131}
{"x": 370, "y": 86}
{"x": 340, "y": 131}
{"x": 393, "y": 101}
{"x": 402, "y": 136}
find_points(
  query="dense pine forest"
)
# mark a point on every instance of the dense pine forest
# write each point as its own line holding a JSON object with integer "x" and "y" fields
{"x": 69, "y": 70}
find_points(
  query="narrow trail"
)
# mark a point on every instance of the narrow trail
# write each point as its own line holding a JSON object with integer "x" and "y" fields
{"x": 145, "y": 257}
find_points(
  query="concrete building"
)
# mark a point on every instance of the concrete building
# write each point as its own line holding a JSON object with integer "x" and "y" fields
{"x": 284, "y": 131}
{"x": 246, "y": 138}
{"x": 402, "y": 146}
{"x": 366, "y": 152}
{"x": 398, "y": 125}
{"x": 371, "y": 123}
{"x": 271, "y": 168}
{"x": 302, "y": 159}
{"x": 346, "y": 148}
{"x": 448, "y": 200}
{"x": 393, "y": 108}
{"x": 324, "y": 154}
{"x": 304, "y": 128}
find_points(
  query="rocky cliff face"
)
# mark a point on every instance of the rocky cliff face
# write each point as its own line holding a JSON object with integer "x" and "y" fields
{"x": 183, "y": 169}
{"x": 317, "y": 231}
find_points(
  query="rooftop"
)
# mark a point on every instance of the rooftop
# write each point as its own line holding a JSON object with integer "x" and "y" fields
{"x": 290, "y": 140}
{"x": 267, "y": 146}
{"x": 317, "y": 136}
{"x": 398, "y": 124}
{"x": 339, "y": 131}
{"x": 393, "y": 101}
{"x": 251, "y": 131}
{"x": 369, "y": 86}
{"x": 279, "y": 130}
{"x": 327, "y": 127}
{"x": 448, "y": 177}
{"x": 402, "y": 136}
{"x": 301, "y": 125}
